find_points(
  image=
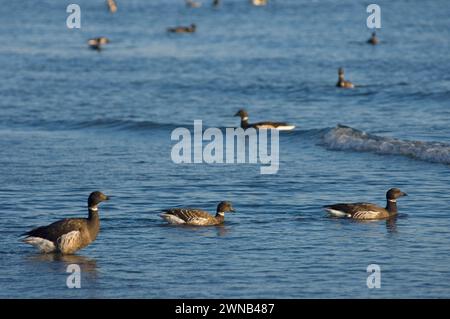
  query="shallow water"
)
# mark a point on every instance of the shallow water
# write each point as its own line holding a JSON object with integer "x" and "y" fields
{"x": 73, "y": 120}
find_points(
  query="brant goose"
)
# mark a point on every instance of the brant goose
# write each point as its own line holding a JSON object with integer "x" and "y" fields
{"x": 259, "y": 2}
{"x": 367, "y": 210}
{"x": 112, "y": 6}
{"x": 269, "y": 125}
{"x": 191, "y": 29}
{"x": 373, "y": 39}
{"x": 343, "y": 83}
{"x": 193, "y": 4}
{"x": 68, "y": 235}
{"x": 197, "y": 217}
{"x": 96, "y": 43}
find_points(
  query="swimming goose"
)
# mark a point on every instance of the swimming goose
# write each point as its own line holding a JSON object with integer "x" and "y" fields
{"x": 191, "y": 29}
{"x": 367, "y": 210}
{"x": 197, "y": 217}
{"x": 268, "y": 125}
{"x": 193, "y": 4}
{"x": 68, "y": 235}
{"x": 112, "y": 6}
{"x": 343, "y": 83}
{"x": 259, "y": 2}
{"x": 96, "y": 43}
{"x": 373, "y": 39}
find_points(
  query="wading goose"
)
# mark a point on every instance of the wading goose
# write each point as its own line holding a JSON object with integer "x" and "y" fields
{"x": 342, "y": 83}
{"x": 68, "y": 235}
{"x": 268, "y": 125}
{"x": 373, "y": 39}
{"x": 191, "y": 29}
{"x": 367, "y": 210}
{"x": 197, "y": 217}
{"x": 96, "y": 43}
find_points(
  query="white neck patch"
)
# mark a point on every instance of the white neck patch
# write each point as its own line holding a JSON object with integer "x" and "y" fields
{"x": 392, "y": 200}
{"x": 221, "y": 213}
{"x": 245, "y": 118}
{"x": 93, "y": 208}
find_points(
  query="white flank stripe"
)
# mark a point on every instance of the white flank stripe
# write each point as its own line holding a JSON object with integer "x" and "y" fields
{"x": 337, "y": 213}
{"x": 172, "y": 219}
{"x": 365, "y": 215}
{"x": 68, "y": 243}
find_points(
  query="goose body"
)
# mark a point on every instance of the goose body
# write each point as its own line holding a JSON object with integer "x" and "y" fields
{"x": 281, "y": 126}
{"x": 191, "y": 29}
{"x": 68, "y": 235}
{"x": 342, "y": 83}
{"x": 196, "y": 217}
{"x": 97, "y": 43}
{"x": 193, "y": 4}
{"x": 373, "y": 39}
{"x": 366, "y": 211}
{"x": 112, "y": 6}
{"x": 258, "y": 2}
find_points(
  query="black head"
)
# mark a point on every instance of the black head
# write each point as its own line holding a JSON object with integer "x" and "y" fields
{"x": 96, "y": 198}
{"x": 242, "y": 113}
{"x": 193, "y": 26}
{"x": 374, "y": 34}
{"x": 225, "y": 207}
{"x": 340, "y": 71}
{"x": 394, "y": 193}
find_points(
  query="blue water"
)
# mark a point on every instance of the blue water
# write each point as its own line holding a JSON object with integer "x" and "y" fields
{"x": 73, "y": 120}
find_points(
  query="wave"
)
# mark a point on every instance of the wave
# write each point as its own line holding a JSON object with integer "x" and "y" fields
{"x": 101, "y": 123}
{"x": 345, "y": 138}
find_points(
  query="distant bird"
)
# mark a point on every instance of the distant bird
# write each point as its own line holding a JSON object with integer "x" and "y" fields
{"x": 197, "y": 217}
{"x": 268, "y": 125}
{"x": 191, "y": 29}
{"x": 342, "y": 83}
{"x": 216, "y": 3}
{"x": 112, "y": 6}
{"x": 366, "y": 210}
{"x": 97, "y": 43}
{"x": 258, "y": 2}
{"x": 68, "y": 235}
{"x": 193, "y": 4}
{"x": 373, "y": 39}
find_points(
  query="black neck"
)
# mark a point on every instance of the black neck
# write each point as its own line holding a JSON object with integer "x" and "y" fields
{"x": 391, "y": 206}
{"x": 244, "y": 123}
{"x": 220, "y": 216}
{"x": 93, "y": 213}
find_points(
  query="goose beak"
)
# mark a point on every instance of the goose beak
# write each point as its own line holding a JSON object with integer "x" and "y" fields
{"x": 107, "y": 197}
{"x": 404, "y": 194}
{"x": 237, "y": 114}
{"x": 232, "y": 210}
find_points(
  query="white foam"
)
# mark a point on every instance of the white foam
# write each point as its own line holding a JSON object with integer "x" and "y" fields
{"x": 347, "y": 138}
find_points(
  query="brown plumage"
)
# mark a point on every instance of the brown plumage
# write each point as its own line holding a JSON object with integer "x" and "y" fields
{"x": 282, "y": 126}
{"x": 112, "y": 6}
{"x": 197, "y": 217}
{"x": 97, "y": 43}
{"x": 373, "y": 39}
{"x": 342, "y": 83}
{"x": 368, "y": 210}
{"x": 68, "y": 235}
